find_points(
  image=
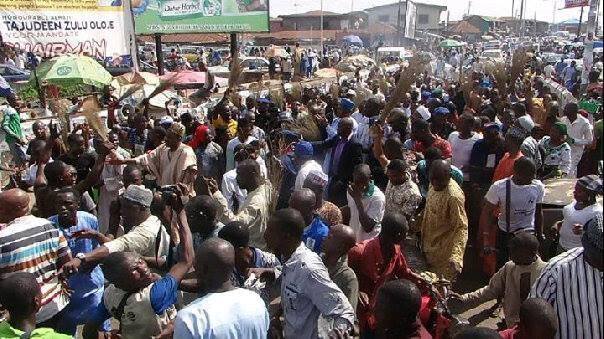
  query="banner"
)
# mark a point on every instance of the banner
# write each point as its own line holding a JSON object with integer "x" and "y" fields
{"x": 575, "y": 3}
{"x": 97, "y": 28}
{"x": 410, "y": 17}
{"x": 201, "y": 16}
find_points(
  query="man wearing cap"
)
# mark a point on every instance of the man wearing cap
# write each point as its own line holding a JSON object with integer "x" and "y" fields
{"x": 439, "y": 124}
{"x": 303, "y": 153}
{"x": 572, "y": 282}
{"x": 580, "y": 134}
{"x": 143, "y": 231}
{"x": 347, "y": 107}
{"x": 244, "y": 136}
{"x": 316, "y": 181}
{"x": 172, "y": 162}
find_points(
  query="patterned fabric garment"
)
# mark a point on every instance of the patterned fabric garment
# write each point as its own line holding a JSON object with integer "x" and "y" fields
{"x": 330, "y": 213}
{"x": 404, "y": 198}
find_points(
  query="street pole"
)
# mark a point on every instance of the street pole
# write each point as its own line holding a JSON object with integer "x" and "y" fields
{"x": 233, "y": 46}
{"x": 580, "y": 22}
{"x": 159, "y": 54}
{"x": 522, "y": 18}
{"x": 398, "y": 23}
{"x": 513, "y": 9}
{"x": 322, "y": 26}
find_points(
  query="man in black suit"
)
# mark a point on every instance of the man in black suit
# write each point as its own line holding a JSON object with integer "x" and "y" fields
{"x": 346, "y": 152}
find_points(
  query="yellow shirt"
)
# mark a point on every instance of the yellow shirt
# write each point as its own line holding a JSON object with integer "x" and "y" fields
{"x": 444, "y": 229}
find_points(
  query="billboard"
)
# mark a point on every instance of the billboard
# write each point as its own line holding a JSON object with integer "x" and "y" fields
{"x": 575, "y": 3}
{"x": 98, "y": 28}
{"x": 200, "y": 16}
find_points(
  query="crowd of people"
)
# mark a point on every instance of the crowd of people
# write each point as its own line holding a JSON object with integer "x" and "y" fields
{"x": 234, "y": 225}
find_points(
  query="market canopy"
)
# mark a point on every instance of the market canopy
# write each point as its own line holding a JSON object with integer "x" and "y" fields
{"x": 449, "y": 43}
{"x": 69, "y": 70}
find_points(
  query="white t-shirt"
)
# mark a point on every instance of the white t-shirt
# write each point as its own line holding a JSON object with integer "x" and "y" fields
{"x": 375, "y": 208}
{"x": 548, "y": 70}
{"x": 461, "y": 150}
{"x": 230, "y": 187}
{"x": 569, "y": 240}
{"x": 235, "y": 314}
{"x": 524, "y": 200}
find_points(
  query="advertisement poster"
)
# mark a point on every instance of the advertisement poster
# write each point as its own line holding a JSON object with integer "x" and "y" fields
{"x": 575, "y": 3}
{"x": 97, "y": 28}
{"x": 182, "y": 16}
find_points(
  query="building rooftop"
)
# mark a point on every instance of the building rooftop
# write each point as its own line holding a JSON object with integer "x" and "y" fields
{"x": 311, "y": 14}
{"x": 416, "y": 2}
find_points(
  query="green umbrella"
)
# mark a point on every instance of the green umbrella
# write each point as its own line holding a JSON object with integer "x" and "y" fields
{"x": 69, "y": 70}
{"x": 449, "y": 43}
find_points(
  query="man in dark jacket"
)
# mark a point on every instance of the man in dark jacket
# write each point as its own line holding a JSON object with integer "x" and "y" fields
{"x": 346, "y": 152}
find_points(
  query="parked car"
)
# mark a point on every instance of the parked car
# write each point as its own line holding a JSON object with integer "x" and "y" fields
{"x": 13, "y": 74}
{"x": 495, "y": 55}
{"x": 248, "y": 64}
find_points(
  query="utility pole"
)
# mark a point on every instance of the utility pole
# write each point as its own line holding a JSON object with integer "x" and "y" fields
{"x": 513, "y": 9}
{"x": 159, "y": 54}
{"x": 522, "y": 18}
{"x": 322, "y": 25}
{"x": 469, "y": 6}
{"x": 398, "y": 24}
{"x": 580, "y": 22}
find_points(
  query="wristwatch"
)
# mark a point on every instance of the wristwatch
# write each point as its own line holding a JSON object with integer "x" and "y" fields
{"x": 81, "y": 256}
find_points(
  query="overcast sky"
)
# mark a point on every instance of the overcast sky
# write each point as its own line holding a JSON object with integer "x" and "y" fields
{"x": 543, "y": 9}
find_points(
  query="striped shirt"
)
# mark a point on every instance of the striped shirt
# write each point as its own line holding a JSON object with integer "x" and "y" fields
{"x": 32, "y": 244}
{"x": 574, "y": 288}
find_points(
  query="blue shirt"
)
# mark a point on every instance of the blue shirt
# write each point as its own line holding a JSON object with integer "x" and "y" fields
{"x": 87, "y": 286}
{"x": 314, "y": 234}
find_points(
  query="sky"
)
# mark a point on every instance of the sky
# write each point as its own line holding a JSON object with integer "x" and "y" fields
{"x": 542, "y": 9}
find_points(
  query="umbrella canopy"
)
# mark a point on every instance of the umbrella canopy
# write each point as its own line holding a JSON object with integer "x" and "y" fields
{"x": 141, "y": 78}
{"x": 144, "y": 91}
{"x": 353, "y": 39}
{"x": 74, "y": 70}
{"x": 449, "y": 43}
{"x": 185, "y": 77}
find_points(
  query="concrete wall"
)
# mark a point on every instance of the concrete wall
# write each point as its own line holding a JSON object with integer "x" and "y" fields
{"x": 431, "y": 13}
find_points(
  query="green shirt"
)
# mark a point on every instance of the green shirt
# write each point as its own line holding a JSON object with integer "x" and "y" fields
{"x": 11, "y": 124}
{"x": 8, "y": 332}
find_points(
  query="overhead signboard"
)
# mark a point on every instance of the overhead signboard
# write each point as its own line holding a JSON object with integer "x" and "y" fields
{"x": 575, "y": 3}
{"x": 200, "y": 16}
{"x": 98, "y": 28}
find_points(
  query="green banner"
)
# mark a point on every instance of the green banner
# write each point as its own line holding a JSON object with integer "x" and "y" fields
{"x": 200, "y": 16}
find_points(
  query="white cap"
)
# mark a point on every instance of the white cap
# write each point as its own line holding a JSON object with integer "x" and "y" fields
{"x": 423, "y": 112}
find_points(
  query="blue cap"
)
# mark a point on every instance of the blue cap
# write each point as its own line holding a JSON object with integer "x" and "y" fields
{"x": 303, "y": 149}
{"x": 441, "y": 111}
{"x": 347, "y": 104}
{"x": 426, "y": 95}
{"x": 492, "y": 125}
{"x": 264, "y": 100}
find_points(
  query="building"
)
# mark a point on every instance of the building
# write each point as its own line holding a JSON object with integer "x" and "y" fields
{"x": 465, "y": 30}
{"x": 427, "y": 16}
{"x": 485, "y": 24}
{"x": 531, "y": 27}
{"x": 312, "y": 21}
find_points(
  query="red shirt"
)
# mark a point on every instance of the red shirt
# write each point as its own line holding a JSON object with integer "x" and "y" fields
{"x": 505, "y": 168}
{"x": 365, "y": 258}
{"x": 440, "y": 143}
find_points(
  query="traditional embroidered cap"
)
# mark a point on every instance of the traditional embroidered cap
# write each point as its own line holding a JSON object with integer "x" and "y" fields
{"x": 166, "y": 121}
{"x": 526, "y": 123}
{"x": 423, "y": 112}
{"x": 591, "y": 182}
{"x": 318, "y": 178}
{"x": 139, "y": 194}
{"x": 346, "y": 104}
{"x": 303, "y": 149}
{"x": 592, "y": 232}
